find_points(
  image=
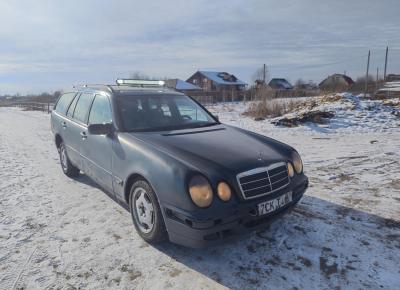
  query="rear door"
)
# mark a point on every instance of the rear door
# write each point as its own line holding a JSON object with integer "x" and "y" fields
{"x": 76, "y": 132}
{"x": 97, "y": 149}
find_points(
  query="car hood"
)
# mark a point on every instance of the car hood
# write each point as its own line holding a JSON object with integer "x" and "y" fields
{"x": 229, "y": 147}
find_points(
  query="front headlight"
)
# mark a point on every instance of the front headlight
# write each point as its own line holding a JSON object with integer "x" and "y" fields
{"x": 200, "y": 191}
{"x": 297, "y": 163}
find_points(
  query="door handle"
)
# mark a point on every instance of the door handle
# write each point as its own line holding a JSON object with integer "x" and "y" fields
{"x": 83, "y": 135}
{"x": 64, "y": 124}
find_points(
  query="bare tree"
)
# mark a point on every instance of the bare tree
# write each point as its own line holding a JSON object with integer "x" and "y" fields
{"x": 359, "y": 84}
{"x": 137, "y": 75}
{"x": 300, "y": 83}
{"x": 259, "y": 74}
{"x": 44, "y": 97}
{"x": 313, "y": 84}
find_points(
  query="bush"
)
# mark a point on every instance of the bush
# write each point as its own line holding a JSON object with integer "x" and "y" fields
{"x": 270, "y": 108}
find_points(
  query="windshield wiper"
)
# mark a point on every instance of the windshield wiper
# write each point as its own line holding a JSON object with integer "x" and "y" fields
{"x": 202, "y": 125}
{"x": 175, "y": 127}
{"x": 155, "y": 129}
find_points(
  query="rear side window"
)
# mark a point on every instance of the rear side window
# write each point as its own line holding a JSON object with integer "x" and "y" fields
{"x": 82, "y": 107}
{"x": 100, "y": 112}
{"x": 63, "y": 103}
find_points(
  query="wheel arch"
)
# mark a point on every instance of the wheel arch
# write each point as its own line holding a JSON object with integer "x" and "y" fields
{"x": 58, "y": 140}
{"x": 130, "y": 181}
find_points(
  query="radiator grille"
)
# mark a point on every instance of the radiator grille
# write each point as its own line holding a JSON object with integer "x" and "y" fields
{"x": 262, "y": 181}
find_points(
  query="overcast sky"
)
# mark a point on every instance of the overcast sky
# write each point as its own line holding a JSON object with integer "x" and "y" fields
{"x": 46, "y": 45}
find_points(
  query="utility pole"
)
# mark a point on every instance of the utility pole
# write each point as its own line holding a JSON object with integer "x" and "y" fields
{"x": 377, "y": 75}
{"x": 386, "y": 57}
{"x": 366, "y": 76}
{"x": 264, "y": 73}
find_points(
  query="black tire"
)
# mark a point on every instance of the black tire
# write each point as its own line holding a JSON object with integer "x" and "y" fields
{"x": 158, "y": 232}
{"x": 66, "y": 165}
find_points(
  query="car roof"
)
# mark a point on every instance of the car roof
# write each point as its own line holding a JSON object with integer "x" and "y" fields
{"x": 126, "y": 90}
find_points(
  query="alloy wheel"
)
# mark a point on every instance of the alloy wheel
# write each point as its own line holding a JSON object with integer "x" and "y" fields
{"x": 143, "y": 210}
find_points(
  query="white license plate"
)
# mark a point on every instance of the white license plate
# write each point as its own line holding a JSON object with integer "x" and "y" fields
{"x": 274, "y": 204}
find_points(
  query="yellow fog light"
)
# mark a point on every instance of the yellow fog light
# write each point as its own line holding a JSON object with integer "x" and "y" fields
{"x": 224, "y": 191}
{"x": 298, "y": 164}
{"x": 290, "y": 169}
{"x": 200, "y": 191}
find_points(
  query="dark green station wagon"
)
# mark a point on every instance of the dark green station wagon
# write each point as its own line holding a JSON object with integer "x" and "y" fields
{"x": 182, "y": 174}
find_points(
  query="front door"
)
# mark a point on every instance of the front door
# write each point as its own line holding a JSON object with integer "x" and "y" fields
{"x": 97, "y": 149}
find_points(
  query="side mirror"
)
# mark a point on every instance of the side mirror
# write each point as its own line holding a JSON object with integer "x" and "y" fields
{"x": 100, "y": 129}
{"x": 216, "y": 117}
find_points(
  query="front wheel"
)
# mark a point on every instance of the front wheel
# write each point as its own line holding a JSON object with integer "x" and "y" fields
{"x": 66, "y": 165}
{"x": 146, "y": 212}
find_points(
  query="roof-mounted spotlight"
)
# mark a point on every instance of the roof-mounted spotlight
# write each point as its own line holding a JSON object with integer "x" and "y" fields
{"x": 140, "y": 83}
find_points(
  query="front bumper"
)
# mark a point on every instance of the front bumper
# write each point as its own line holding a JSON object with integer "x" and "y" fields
{"x": 186, "y": 231}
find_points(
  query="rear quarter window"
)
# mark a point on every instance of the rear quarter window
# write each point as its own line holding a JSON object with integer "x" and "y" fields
{"x": 63, "y": 103}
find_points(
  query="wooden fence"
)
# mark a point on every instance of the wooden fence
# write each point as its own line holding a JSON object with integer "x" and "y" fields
{"x": 211, "y": 97}
{"x": 387, "y": 94}
{"x": 30, "y": 106}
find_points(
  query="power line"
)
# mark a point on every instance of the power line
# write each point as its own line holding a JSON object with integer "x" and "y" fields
{"x": 324, "y": 64}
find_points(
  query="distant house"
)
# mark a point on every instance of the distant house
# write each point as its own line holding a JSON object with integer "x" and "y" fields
{"x": 306, "y": 86}
{"x": 392, "y": 77}
{"x": 390, "y": 89}
{"x": 181, "y": 85}
{"x": 336, "y": 82}
{"x": 280, "y": 84}
{"x": 216, "y": 81}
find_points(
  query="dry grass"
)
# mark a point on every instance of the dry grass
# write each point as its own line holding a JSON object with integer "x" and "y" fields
{"x": 330, "y": 98}
{"x": 276, "y": 108}
{"x": 394, "y": 103}
{"x": 271, "y": 108}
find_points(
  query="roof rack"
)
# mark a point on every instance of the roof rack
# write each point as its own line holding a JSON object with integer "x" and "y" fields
{"x": 140, "y": 83}
{"x": 94, "y": 86}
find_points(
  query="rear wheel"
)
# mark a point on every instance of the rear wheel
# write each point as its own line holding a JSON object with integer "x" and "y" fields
{"x": 66, "y": 165}
{"x": 146, "y": 212}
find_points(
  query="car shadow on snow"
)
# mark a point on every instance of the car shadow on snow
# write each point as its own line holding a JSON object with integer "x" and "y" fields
{"x": 84, "y": 179}
{"x": 319, "y": 244}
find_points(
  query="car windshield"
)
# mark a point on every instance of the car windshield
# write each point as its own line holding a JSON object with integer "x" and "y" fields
{"x": 162, "y": 113}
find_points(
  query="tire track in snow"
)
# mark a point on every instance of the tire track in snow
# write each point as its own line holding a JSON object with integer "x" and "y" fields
{"x": 84, "y": 240}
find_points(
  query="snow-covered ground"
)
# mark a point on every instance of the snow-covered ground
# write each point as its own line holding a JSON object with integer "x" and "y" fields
{"x": 60, "y": 233}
